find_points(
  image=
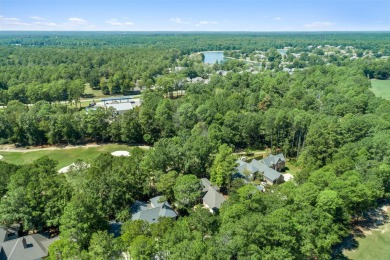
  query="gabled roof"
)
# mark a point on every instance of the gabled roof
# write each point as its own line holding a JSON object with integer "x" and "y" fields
{"x": 139, "y": 206}
{"x": 260, "y": 167}
{"x": 260, "y": 187}
{"x": 27, "y": 247}
{"x": 271, "y": 174}
{"x": 3, "y": 234}
{"x": 152, "y": 211}
{"x": 155, "y": 202}
{"x": 167, "y": 212}
{"x": 213, "y": 199}
{"x": 240, "y": 162}
{"x": 269, "y": 161}
{"x": 8, "y": 233}
{"x": 273, "y": 159}
{"x": 250, "y": 168}
{"x": 263, "y": 166}
{"x": 149, "y": 215}
{"x": 281, "y": 157}
{"x": 207, "y": 185}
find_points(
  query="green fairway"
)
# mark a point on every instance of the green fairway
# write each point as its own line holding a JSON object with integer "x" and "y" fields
{"x": 381, "y": 88}
{"x": 373, "y": 246}
{"x": 63, "y": 156}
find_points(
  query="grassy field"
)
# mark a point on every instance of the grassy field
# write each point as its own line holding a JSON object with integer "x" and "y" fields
{"x": 373, "y": 246}
{"x": 291, "y": 168}
{"x": 63, "y": 156}
{"x": 93, "y": 93}
{"x": 381, "y": 88}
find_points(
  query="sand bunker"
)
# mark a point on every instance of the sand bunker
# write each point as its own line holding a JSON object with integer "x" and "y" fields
{"x": 73, "y": 166}
{"x": 120, "y": 153}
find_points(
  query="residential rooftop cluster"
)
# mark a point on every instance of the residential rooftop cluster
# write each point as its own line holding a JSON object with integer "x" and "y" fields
{"x": 212, "y": 199}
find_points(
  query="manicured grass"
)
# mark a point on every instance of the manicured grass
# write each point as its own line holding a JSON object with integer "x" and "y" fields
{"x": 373, "y": 246}
{"x": 63, "y": 156}
{"x": 253, "y": 154}
{"x": 381, "y": 88}
{"x": 92, "y": 93}
{"x": 292, "y": 168}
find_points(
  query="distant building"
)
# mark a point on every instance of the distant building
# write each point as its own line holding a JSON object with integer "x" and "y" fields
{"x": 152, "y": 211}
{"x": 120, "y": 104}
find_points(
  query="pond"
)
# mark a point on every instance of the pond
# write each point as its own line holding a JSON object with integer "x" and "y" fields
{"x": 211, "y": 57}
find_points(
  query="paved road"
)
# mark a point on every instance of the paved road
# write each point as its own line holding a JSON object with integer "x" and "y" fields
{"x": 89, "y": 100}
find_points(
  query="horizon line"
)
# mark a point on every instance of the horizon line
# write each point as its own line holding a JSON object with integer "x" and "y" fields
{"x": 193, "y": 31}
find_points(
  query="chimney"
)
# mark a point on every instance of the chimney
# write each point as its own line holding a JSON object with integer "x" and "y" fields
{"x": 24, "y": 243}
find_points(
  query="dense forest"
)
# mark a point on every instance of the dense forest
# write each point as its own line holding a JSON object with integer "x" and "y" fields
{"x": 322, "y": 117}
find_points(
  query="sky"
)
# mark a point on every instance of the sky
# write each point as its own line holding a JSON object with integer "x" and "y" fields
{"x": 195, "y": 15}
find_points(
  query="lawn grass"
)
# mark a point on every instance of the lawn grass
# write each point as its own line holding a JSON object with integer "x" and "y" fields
{"x": 381, "y": 88}
{"x": 63, "y": 156}
{"x": 92, "y": 93}
{"x": 252, "y": 154}
{"x": 291, "y": 168}
{"x": 373, "y": 246}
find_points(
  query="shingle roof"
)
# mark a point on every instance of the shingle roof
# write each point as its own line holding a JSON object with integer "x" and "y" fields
{"x": 241, "y": 169}
{"x": 27, "y": 247}
{"x": 251, "y": 168}
{"x": 281, "y": 157}
{"x": 273, "y": 159}
{"x": 213, "y": 199}
{"x": 271, "y": 174}
{"x": 260, "y": 187}
{"x": 240, "y": 162}
{"x": 260, "y": 167}
{"x": 3, "y": 234}
{"x": 139, "y": 206}
{"x": 208, "y": 185}
{"x": 166, "y": 211}
{"x": 8, "y": 234}
{"x": 269, "y": 161}
{"x": 263, "y": 166}
{"x": 153, "y": 211}
{"x": 155, "y": 202}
